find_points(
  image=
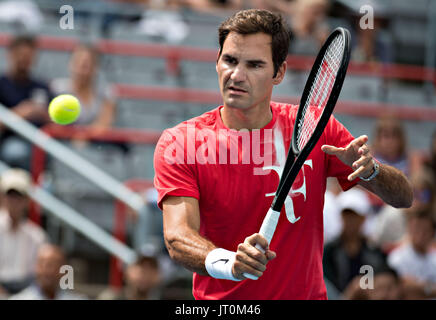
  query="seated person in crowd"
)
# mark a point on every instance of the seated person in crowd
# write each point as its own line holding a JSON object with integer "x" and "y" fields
{"x": 47, "y": 284}
{"x": 19, "y": 238}
{"x": 390, "y": 145}
{"x": 415, "y": 260}
{"x": 390, "y": 225}
{"x": 97, "y": 99}
{"x": 309, "y": 28}
{"x": 142, "y": 279}
{"x": 23, "y": 94}
{"x": 385, "y": 285}
{"x": 344, "y": 257}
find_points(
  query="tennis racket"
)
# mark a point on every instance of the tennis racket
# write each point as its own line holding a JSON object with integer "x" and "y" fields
{"x": 316, "y": 105}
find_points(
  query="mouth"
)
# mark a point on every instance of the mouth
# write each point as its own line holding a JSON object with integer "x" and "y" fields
{"x": 236, "y": 90}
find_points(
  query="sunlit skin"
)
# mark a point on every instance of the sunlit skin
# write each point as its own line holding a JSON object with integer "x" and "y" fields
{"x": 246, "y": 78}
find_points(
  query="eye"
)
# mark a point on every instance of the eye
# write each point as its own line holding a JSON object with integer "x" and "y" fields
{"x": 230, "y": 60}
{"x": 255, "y": 65}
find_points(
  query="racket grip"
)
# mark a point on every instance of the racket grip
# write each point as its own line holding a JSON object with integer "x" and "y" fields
{"x": 267, "y": 230}
{"x": 269, "y": 224}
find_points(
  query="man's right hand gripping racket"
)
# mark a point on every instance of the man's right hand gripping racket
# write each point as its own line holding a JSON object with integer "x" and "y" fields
{"x": 316, "y": 105}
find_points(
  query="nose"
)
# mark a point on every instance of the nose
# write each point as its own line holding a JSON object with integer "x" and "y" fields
{"x": 238, "y": 74}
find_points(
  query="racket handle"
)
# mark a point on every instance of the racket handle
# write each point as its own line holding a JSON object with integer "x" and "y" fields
{"x": 267, "y": 230}
{"x": 269, "y": 224}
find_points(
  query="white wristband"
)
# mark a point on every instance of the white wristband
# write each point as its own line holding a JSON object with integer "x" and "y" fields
{"x": 219, "y": 263}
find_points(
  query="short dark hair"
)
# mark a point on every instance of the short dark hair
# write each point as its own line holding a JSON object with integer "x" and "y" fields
{"x": 424, "y": 213}
{"x": 253, "y": 21}
{"x": 25, "y": 39}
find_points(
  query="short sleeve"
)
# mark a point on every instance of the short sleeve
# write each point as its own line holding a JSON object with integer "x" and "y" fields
{"x": 337, "y": 135}
{"x": 173, "y": 176}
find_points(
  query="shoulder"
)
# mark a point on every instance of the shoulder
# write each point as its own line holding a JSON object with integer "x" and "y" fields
{"x": 39, "y": 83}
{"x": 65, "y": 295}
{"x": 35, "y": 232}
{"x": 400, "y": 254}
{"x": 60, "y": 85}
{"x": 3, "y": 79}
{"x": 332, "y": 246}
{"x": 29, "y": 293}
{"x": 284, "y": 109}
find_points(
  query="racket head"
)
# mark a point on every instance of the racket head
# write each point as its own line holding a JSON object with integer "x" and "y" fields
{"x": 330, "y": 92}
{"x": 321, "y": 90}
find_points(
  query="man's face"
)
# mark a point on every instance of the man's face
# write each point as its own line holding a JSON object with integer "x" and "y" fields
{"x": 386, "y": 287}
{"x": 245, "y": 71}
{"x": 47, "y": 269}
{"x": 352, "y": 223}
{"x": 21, "y": 59}
{"x": 82, "y": 64}
{"x": 421, "y": 233}
{"x": 16, "y": 204}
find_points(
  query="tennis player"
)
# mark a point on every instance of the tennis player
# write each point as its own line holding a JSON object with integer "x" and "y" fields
{"x": 217, "y": 174}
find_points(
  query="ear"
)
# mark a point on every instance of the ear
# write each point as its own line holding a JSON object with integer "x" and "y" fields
{"x": 280, "y": 74}
{"x": 217, "y": 59}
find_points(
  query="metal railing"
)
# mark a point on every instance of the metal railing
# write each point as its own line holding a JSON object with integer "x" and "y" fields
{"x": 88, "y": 170}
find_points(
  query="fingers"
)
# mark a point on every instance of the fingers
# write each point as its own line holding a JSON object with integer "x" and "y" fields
{"x": 251, "y": 260}
{"x": 332, "y": 150}
{"x": 364, "y": 165}
{"x": 360, "y": 141}
{"x": 356, "y": 155}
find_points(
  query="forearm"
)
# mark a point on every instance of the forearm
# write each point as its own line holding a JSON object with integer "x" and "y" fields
{"x": 189, "y": 249}
{"x": 392, "y": 186}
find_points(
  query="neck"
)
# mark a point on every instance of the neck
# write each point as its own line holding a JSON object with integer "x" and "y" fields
{"x": 14, "y": 225}
{"x": 80, "y": 84}
{"x": 250, "y": 119}
{"x": 19, "y": 76}
{"x": 133, "y": 294}
{"x": 49, "y": 292}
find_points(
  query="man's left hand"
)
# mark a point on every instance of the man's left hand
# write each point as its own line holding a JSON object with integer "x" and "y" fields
{"x": 356, "y": 155}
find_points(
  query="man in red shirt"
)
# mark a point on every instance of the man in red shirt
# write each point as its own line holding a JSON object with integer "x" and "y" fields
{"x": 216, "y": 175}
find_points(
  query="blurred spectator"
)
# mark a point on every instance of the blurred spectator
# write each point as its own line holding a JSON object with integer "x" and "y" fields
{"x": 142, "y": 279}
{"x": 26, "y": 96}
{"x": 283, "y": 6}
{"x": 387, "y": 286}
{"x": 97, "y": 99}
{"x": 391, "y": 223}
{"x": 23, "y": 14}
{"x": 212, "y": 6}
{"x": 19, "y": 238}
{"x": 390, "y": 145}
{"x": 309, "y": 28}
{"x": 430, "y": 161}
{"x": 46, "y": 286}
{"x": 163, "y": 21}
{"x": 344, "y": 257}
{"x": 415, "y": 260}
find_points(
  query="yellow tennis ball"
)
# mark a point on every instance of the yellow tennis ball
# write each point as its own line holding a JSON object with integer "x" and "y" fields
{"x": 64, "y": 109}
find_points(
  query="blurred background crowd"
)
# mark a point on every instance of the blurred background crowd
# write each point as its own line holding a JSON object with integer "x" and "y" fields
{"x": 140, "y": 66}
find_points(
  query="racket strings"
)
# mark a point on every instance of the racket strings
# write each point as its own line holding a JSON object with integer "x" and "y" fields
{"x": 320, "y": 91}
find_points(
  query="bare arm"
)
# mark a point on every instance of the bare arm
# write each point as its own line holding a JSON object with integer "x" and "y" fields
{"x": 391, "y": 185}
{"x": 181, "y": 222}
{"x": 106, "y": 115}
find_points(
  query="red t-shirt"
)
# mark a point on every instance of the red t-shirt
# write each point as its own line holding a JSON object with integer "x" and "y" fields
{"x": 235, "y": 184}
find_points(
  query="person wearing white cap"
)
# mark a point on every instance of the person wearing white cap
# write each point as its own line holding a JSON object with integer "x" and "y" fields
{"x": 344, "y": 257}
{"x": 19, "y": 238}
